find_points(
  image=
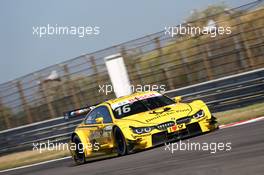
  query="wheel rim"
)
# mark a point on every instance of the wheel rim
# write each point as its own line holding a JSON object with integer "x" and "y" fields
{"x": 79, "y": 156}
{"x": 120, "y": 142}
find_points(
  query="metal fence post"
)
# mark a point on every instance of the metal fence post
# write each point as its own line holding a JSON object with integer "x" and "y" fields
{"x": 158, "y": 48}
{"x": 206, "y": 62}
{"x": 186, "y": 68}
{"x": 46, "y": 97}
{"x": 168, "y": 78}
{"x": 24, "y": 102}
{"x": 94, "y": 67}
{"x": 91, "y": 61}
{"x": 240, "y": 56}
{"x": 244, "y": 42}
{"x": 4, "y": 114}
{"x": 160, "y": 62}
{"x": 71, "y": 87}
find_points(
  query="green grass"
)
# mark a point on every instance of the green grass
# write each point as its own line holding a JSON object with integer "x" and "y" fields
{"x": 249, "y": 112}
{"x": 30, "y": 157}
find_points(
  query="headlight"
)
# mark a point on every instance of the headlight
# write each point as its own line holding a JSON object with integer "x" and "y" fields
{"x": 199, "y": 114}
{"x": 141, "y": 130}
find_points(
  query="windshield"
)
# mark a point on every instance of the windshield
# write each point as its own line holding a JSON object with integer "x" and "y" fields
{"x": 138, "y": 106}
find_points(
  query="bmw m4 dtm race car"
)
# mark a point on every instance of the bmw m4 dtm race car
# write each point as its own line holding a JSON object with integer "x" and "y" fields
{"x": 137, "y": 122}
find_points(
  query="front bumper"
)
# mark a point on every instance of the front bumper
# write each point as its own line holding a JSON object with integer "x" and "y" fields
{"x": 191, "y": 129}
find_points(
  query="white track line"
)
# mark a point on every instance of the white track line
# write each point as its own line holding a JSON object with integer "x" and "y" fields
{"x": 54, "y": 160}
{"x": 241, "y": 122}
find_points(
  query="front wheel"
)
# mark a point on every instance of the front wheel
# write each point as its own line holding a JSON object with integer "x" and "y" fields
{"x": 78, "y": 153}
{"x": 121, "y": 146}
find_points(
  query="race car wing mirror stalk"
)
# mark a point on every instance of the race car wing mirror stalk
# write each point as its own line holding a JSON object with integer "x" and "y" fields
{"x": 178, "y": 99}
{"x": 99, "y": 120}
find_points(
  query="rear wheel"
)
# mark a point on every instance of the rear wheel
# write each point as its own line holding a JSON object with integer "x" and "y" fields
{"x": 120, "y": 141}
{"x": 78, "y": 154}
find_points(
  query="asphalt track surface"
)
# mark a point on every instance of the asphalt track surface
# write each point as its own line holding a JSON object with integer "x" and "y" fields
{"x": 245, "y": 157}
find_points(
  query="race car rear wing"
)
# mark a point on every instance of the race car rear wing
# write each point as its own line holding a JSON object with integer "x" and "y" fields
{"x": 77, "y": 112}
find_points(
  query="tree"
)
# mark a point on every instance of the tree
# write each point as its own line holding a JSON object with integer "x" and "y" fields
{"x": 209, "y": 11}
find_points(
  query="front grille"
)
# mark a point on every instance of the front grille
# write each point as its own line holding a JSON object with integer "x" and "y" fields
{"x": 183, "y": 120}
{"x": 162, "y": 137}
{"x": 164, "y": 126}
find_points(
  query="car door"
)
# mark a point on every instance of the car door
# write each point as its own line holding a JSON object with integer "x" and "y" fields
{"x": 100, "y": 134}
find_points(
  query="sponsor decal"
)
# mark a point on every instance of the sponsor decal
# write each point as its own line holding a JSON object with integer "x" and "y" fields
{"x": 182, "y": 110}
{"x": 160, "y": 115}
{"x": 133, "y": 99}
{"x": 108, "y": 128}
{"x": 167, "y": 114}
{"x": 172, "y": 129}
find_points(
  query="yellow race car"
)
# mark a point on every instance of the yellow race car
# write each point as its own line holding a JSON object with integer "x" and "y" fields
{"x": 138, "y": 121}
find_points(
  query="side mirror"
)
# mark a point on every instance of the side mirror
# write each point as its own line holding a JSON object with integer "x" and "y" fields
{"x": 178, "y": 99}
{"x": 99, "y": 120}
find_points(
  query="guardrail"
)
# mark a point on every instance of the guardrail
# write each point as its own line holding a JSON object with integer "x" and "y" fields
{"x": 228, "y": 92}
{"x": 220, "y": 95}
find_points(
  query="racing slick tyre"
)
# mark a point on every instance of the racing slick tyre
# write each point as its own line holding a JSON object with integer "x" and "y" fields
{"x": 78, "y": 153}
{"x": 121, "y": 146}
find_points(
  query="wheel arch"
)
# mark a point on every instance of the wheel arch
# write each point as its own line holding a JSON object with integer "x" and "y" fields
{"x": 84, "y": 140}
{"x": 72, "y": 136}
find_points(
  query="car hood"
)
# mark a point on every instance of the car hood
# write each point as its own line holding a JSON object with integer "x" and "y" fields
{"x": 160, "y": 115}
